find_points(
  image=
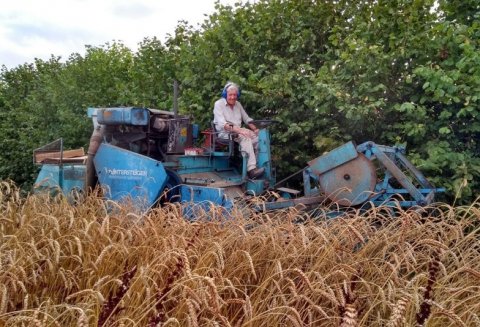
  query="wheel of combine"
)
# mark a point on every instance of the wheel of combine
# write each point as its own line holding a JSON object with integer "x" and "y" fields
{"x": 351, "y": 183}
{"x": 171, "y": 192}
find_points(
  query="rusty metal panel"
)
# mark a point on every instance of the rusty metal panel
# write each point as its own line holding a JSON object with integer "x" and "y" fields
{"x": 179, "y": 135}
{"x": 212, "y": 179}
{"x": 351, "y": 183}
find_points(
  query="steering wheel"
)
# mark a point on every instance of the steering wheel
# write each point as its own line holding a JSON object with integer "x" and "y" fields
{"x": 262, "y": 123}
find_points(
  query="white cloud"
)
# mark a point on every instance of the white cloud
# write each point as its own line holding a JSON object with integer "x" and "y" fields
{"x": 37, "y": 29}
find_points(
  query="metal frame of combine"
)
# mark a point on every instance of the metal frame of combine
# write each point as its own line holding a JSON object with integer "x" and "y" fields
{"x": 150, "y": 156}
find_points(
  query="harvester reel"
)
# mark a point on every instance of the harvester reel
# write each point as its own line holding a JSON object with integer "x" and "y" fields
{"x": 351, "y": 183}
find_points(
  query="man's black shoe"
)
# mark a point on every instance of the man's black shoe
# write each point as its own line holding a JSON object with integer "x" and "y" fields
{"x": 256, "y": 172}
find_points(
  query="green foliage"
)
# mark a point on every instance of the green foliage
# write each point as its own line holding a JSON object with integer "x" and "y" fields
{"x": 451, "y": 94}
{"x": 395, "y": 72}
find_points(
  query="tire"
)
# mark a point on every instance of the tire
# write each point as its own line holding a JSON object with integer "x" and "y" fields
{"x": 171, "y": 192}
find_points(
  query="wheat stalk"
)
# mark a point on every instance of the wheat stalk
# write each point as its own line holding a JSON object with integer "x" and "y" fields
{"x": 260, "y": 270}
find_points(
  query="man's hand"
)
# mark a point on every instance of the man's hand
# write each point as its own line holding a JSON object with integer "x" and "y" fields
{"x": 253, "y": 128}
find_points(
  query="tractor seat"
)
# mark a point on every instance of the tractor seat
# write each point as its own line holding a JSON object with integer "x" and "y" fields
{"x": 215, "y": 143}
{"x": 222, "y": 142}
{"x": 225, "y": 143}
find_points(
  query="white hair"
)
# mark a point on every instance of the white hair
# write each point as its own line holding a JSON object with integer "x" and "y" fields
{"x": 231, "y": 85}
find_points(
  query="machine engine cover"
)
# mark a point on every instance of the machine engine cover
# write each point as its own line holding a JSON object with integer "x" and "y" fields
{"x": 351, "y": 183}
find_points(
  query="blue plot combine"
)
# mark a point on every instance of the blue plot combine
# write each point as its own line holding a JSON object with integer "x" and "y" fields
{"x": 149, "y": 157}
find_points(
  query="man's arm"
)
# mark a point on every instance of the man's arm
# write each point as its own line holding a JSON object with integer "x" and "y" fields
{"x": 218, "y": 117}
{"x": 253, "y": 128}
{"x": 247, "y": 120}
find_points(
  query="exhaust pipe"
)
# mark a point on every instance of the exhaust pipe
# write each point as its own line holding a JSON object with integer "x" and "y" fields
{"x": 95, "y": 141}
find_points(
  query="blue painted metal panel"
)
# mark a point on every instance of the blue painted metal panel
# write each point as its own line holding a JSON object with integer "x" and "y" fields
{"x": 230, "y": 175}
{"x": 193, "y": 193}
{"x": 127, "y": 116}
{"x": 91, "y": 112}
{"x": 307, "y": 185}
{"x": 198, "y": 199}
{"x": 66, "y": 178}
{"x": 333, "y": 159}
{"x": 264, "y": 158}
{"x": 255, "y": 187}
{"x": 396, "y": 203}
{"x": 195, "y": 131}
{"x": 48, "y": 178}
{"x": 73, "y": 178}
{"x": 399, "y": 175}
{"x": 202, "y": 163}
{"x": 129, "y": 175}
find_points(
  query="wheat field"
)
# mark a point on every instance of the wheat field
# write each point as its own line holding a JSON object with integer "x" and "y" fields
{"x": 84, "y": 265}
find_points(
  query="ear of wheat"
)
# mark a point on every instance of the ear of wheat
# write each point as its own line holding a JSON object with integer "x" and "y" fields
{"x": 86, "y": 264}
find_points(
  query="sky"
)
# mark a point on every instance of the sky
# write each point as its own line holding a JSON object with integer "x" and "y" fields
{"x": 39, "y": 28}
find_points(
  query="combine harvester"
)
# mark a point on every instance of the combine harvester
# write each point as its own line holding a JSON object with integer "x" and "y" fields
{"x": 148, "y": 156}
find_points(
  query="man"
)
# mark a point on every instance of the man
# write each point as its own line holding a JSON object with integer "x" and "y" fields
{"x": 228, "y": 116}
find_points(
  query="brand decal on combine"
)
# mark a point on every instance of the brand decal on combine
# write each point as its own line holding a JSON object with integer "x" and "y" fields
{"x": 125, "y": 173}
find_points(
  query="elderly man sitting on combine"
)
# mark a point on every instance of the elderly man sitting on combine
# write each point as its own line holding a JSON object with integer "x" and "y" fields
{"x": 228, "y": 117}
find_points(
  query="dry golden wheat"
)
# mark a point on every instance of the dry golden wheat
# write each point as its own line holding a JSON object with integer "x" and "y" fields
{"x": 93, "y": 264}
